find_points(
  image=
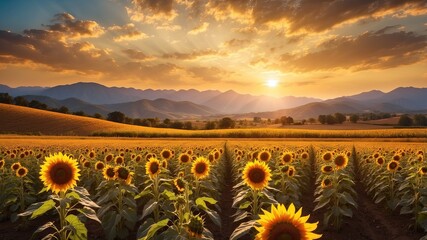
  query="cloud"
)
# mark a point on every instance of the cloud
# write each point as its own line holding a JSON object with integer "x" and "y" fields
{"x": 47, "y": 48}
{"x": 209, "y": 74}
{"x": 371, "y": 50}
{"x": 127, "y": 32}
{"x": 152, "y": 11}
{"x": 191, "y": 56}
{"x": 137, "y": 55}
{"x": 66, "y": 25}
{"x": 237, "y": 43}
{"x": 199, "y": 29}
{"x": 155, "y": 6}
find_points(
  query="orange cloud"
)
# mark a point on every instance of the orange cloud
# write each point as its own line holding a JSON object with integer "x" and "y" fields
{"x": 372, "y": 50}
{"x": 69, "y": 27}
{"x": 127, "y": 32}
{"x": 199, "y": 29}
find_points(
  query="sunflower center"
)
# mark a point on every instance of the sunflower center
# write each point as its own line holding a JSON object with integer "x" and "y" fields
{"x": 264, "y": 156}
{"x": 393, "y": 165}
{"x": 166, "y": 154}
{"x": 185, "y": 158}
{"x": 21, "y": 171}
{"x": 256, "y": 175}
{"x": 123, "y": 173}
{"x": 201, "y": 168}
{"x": 154, "y": 167}
{"x": 339, "y": 161}
{"x": 284, "y": 231}
{"x": 327, "y": 156}
{"x": 61, "y": 173}
{"x": 110, "y": 172}
{"x": 287, "y": 158}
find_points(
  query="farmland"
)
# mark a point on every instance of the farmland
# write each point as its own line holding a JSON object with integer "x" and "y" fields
{"x": 369, "y": 189}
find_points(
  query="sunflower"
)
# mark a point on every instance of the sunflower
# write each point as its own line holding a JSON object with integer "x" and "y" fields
{"x": 287, "y": 157}
{"x": 152, "y": 167}
{"x": 15, "y": 166}
{"x": 256, "y": 175}
{"x": 109, "y": 158}
{"x": 200, "y": 168}
{"x": 181, "y": 174}
{"x": 166, "y": 154}
{"x": 327, "y": 156}
{"x": 184, "y": 158}
{"x": 264, "y": 156}
{"x": 122, "y": 173}
{"x": 179, "y": 184}
{"x": 326, "y": 182}
{"x": 327, "y": 169}
{"x": 59, "y": 172}
{"x": 164, "y": 164}
{"x": 195, "y": 226}
{"x": 423, "y": 171}
{"x": 2, "y": 162}
{"x": 380, "y": 160}
{"x": 291, "y": 171}
{"x": 119, "y": 160}
{"x": 137, "y": 158}
{"x": 304, "y": 155}
{"x": 392, "y": 165}
{"x": 99, "y": 165}
{"x": 282, "y": 223}
{"x": 341, "y": 161}
{"x": 92, "y": 154}
{"x": 21, "y": 172}
{"x": 109, "y": 172}
{"x": 396, "y": 157}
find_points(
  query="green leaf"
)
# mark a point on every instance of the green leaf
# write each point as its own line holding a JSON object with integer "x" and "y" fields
{"x": 148, "y": 208}
{"x": 322, "y": 203}
{"x": 170, "y": 195}
{"x": 42, "y": 228}
{"x": 245, "y": 205}
{"x": 46, "y": 206}
{"x": 201, "y": 202}
{"x": 242, "y": 229}
{"x": 79, "y": 227}
{"x": 89, "y": 213}
{"x": 213, "y": 215}
{"x": 154, "y": 228}
{"x": 73, "y": 195}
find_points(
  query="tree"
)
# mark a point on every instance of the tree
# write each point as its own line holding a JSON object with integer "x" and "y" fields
{"x": 322, "y": 119}
{"x": 226, "y": 123}
{"x": 312, "y": 120}
{"x": 20, "y": 101}
{"x": 286, "y": 120}
{"x": 37, "y": 104}
{"x": 354, "y": 118}
{"x": 330, "y": 119}
{"x": 63, "y": 109}
{"x": 257, "y": 119}
{"x": 97, "y": 115}
{"x": 79, "y": 113}
{"x": 420, "y": 120}
{"x": 405, "y": 120}
{"x": 188, "y": 125}
{"x": 177, "y": 125}
{"x": 6, "y": 98}
{"x": 210, "y": 125}
{"x": 339, "y": 118}
{"x": 116, "y": 117}
{"x": 167, "y": 121}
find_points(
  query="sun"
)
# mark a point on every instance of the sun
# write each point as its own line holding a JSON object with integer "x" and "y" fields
{"x": 271, "y": 83}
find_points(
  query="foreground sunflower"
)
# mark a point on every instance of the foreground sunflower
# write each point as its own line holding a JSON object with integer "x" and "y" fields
{"x": 152, "y": 167}
{"x": 109, "y": 172}
{"x": 122, "y": 173}
{"x": 256, "y": 175}
{"x": 341, "y": 161}
{"x": 59, "y": 172}
{"x": 282, "y": 223}
{"x": 200, "y": 168}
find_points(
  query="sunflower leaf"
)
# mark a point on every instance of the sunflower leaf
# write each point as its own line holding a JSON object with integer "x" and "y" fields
{"x": 44, "y": 207}
{"x": 154, "y": 228}
{"x": 148, "y": 208}
{"x": 242, "y": 229}
{"x": 79, "y": 227}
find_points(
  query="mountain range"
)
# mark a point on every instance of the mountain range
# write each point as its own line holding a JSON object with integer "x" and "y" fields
{"x": 94, "y": 98}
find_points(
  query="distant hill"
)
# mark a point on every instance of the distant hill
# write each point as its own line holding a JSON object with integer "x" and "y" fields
{"x": 160, "y": 108}
{"x": 227, "y": 102}
{"x": 23, "y": 120}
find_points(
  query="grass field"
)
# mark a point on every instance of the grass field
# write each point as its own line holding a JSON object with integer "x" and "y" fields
{"x": 21, "y": 120}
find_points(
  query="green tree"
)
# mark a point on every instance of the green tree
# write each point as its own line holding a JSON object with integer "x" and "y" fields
{"x": 322, "y": 119}
{"x": 6, "y": 98}
{"x": 405, "y": 120}
{"x": 210, "y": 125}
{"x": 227, "y": 123}
{"x": 354, "y": 118}
{"x": 330, "y": 119}
{"x": 420, "y": 120}
{"x": 339, "y": 118}
{"x": 116, "y": 116}
{"x": 20, "y": 101}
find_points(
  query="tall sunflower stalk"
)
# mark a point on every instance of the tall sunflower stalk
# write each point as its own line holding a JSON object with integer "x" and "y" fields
{"x": 60, "y": 174}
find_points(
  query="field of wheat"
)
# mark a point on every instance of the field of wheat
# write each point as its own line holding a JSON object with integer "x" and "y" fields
{"x": 60, "y": 188}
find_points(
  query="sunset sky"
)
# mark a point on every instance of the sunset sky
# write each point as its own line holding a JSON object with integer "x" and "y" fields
{"x": 315, "y": 48}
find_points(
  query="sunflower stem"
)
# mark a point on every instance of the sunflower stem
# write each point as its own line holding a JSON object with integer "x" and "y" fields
{"x": 62, "y": 215}
{"x": 22, "y": 192}
{"x": 156, "y": 197}
{"x": 255, "y": 207}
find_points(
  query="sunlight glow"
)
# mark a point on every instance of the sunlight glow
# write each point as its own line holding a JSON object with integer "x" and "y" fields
{"x": 272, "y": 83}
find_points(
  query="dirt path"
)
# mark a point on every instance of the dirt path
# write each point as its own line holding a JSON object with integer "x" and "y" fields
{"x": 226, "y": 201}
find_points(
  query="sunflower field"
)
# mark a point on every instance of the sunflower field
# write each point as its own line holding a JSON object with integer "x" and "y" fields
{"x": 213, "y": 189}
